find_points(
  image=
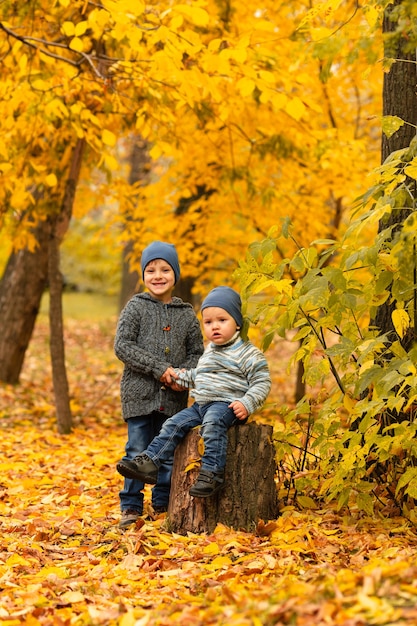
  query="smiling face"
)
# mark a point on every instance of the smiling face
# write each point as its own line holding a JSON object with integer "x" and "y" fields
{"x": 219, "y": 326}
{"x": 159, "y": 279}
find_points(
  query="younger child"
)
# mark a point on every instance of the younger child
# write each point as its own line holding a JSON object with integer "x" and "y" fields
{"x": 156, "y": 333}
{"x": 229, "y": 383}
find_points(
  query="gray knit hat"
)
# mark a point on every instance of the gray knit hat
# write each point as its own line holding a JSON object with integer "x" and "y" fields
{"x": 161, "y": 250}
{"x": 227, "y": 299}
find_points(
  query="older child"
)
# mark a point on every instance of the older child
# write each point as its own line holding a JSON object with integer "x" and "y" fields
{"x": 230, "y": 381}
{"x": 156, "y": 333}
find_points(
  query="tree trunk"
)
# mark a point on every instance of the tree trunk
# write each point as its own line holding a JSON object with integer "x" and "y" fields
{"x": 57, "y": 344}
{"x": 250, "y": 492}
{"x": 399, "y": 99}
{"x": 184, "y": 290}
{"x": 140, "y": 167}
{"x": 21, "y": 288}
{"x": 399, "y": 86}
{"x": 130, "y": 278}
{"x": 56, "y": 341}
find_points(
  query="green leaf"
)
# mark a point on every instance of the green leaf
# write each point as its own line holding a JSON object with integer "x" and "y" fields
{"x": 409, "y": 475}
{"x": 390, "y": 124}
{"x": 306, "y": 502}
{"x": 286, "y": 225}
{"x": 365, "y": 503}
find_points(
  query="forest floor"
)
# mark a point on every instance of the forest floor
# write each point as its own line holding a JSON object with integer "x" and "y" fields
{"x": 64, "y": 561}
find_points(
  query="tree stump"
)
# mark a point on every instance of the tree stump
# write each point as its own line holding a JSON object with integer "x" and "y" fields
{"x": 250, "y": 492}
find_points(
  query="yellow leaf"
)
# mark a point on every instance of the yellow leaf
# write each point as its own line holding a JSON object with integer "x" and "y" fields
{"x": 155, "y": 152}
{"x": 371, "y": 15}
{"x": 68, "y": 29}
{"x": 51, "y": 180}
{"x": 211, "y": 548}
{"x": 321, "y": 33}
{"x": 219, "y": 562}
{"x": 237, "y": 54}
{"x": 401, "y": 321}
{"x": 76, "y": 44}
{"x": 196, "y": 15}
{"x": 23, "y": 62}
{"x": 245, "y": 86}
{"x": 128, "y": 619}
{"x": 200, "y": 446}
{"x": 56, "y": 108}
{"x": 295, "y": 108}
{"x": 411, "y": 170}
{"x": 53, "y": 571}
{"x": 266, "y": 25}
{"x": 81, "y": 28}
{"x": 268, "y": 77}
{"x": 125, "y": 7}
{"x": 279, "y": 100}
{"x": 192, "y": 465}
{"x": 108, "y": 138}
{"x": 111, "y": 162}
{"x": 176, "y": 22}
{"x": 16, "y": 559}
{"x": 71, "y": 597}
{"x": 40, "y": 84}
{"x": 349, "y": 403}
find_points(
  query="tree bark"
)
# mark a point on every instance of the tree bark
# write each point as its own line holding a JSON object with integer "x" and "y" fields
{"x": 21, "y": 288}
{"x": 57, "y": 345}
{"x": 183, "y": 289}
{"x": 56, "y": 324}
{"x": 250, "y": 492}
{"x": 399, "y": 85}
{"x": 140, "y": 167}
{"x": 399, "y": 99}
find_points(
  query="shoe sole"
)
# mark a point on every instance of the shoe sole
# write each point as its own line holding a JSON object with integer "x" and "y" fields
{"x": 127, "y": 524}
{"x": 206, "y": 495}
{"x": 128, "y": 472}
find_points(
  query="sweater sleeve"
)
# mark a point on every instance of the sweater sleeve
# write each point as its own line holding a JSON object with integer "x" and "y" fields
{"x": 256, "y": 370}
{"x": 186, "y": 378}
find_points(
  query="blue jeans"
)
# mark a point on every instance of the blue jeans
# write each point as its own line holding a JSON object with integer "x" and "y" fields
{"x": 215, "y": 419}
{"x": 141, "y": 431}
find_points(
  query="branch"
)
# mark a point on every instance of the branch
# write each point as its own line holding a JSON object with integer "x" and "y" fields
{"x": 33, "y": 41}
{"x": 27, "y": 42}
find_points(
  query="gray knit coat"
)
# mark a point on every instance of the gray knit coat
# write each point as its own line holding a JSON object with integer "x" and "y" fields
{"x": 150, "y": 337}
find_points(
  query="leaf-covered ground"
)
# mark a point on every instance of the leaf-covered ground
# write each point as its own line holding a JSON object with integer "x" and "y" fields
{"x": 64, "y": 561}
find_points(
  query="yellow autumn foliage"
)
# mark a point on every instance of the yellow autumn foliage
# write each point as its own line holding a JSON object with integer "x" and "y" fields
{"x": 251, "y": 115}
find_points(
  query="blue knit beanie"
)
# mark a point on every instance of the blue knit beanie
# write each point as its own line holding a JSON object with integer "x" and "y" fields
{"x": 161, "y": 250}
{"x": 227, "y": 299}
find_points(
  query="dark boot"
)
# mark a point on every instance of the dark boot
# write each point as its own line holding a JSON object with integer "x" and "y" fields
{"x": 207, "y": 484}
{"x": 141, "y": 468}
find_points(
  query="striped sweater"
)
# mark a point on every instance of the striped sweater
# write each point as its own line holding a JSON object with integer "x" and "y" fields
{"x": 236, "y": 371}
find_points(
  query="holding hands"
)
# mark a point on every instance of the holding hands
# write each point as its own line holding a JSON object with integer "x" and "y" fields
{"x": 169, "y": 378}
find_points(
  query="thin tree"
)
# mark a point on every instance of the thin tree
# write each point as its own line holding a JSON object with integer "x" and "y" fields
{"x": 57, "y": 343}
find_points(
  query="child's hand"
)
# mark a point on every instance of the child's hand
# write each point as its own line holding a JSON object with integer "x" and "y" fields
{"x": 169, "y": 376}
{"x": 239, "y": 410}
{"x": 176, "y": 387}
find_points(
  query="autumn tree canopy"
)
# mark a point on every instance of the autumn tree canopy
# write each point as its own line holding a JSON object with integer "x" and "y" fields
{"x": 252, "y": 114}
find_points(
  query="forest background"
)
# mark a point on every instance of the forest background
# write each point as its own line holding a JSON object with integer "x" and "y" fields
{"x": 245, "y": 135}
